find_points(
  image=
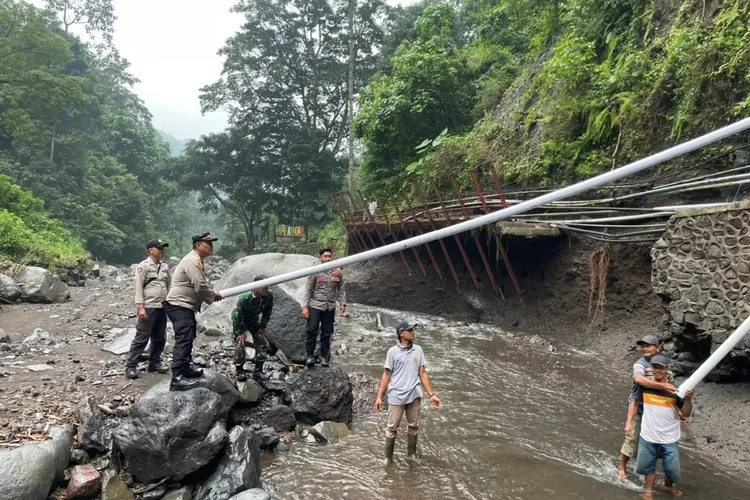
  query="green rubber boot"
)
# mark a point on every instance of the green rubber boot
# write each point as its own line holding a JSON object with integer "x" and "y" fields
{"x": 411, "y": 445}
{"x": 390, "y": 444}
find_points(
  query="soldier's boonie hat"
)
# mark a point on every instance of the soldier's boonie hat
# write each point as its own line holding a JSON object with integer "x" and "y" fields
{"x": 404, "y": 325}
{"x": 157, "y": 243}
{"x": 649, "y": 339}
{"x": 204, "y": 237}
{"x": 660, "y": 360}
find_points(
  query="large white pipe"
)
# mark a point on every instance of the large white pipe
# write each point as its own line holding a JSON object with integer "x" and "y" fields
{"x": 493, "y": 217}
{"x": 714, "y": 359}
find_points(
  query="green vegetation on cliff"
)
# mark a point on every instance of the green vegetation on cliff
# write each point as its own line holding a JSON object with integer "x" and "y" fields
{"x": 552, "y": 90}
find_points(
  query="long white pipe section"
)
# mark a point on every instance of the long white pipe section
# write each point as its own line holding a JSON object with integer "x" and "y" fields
{"x": 493, "y": 217}
{"x": 714, "y": 359}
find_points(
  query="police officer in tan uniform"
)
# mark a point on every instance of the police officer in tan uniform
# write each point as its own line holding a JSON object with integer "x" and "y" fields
{"x": 322, "y": 292}
{"x": 151, "y": 286}
{"x": 190, "y": 289}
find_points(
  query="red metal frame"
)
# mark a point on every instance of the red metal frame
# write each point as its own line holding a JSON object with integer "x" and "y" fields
{"x": 372, "y": 220}
{"x": 440, "y": 241}
{"x": 388, "y": 221}
{"x": 500, "y": 247}
{"x": 455, "y": 236}
{"x": 364, "y": 225}
{"x": 498, "y": 186}
{"x": 419, "y": 228}
{"x": 403, "y": 229}
{"x": 485, "y": 260}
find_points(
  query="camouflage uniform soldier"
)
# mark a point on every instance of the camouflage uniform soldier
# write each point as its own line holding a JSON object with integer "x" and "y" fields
{"x": 252, "y": 314}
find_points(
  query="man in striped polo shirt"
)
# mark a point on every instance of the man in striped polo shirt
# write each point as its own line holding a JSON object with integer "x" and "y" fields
{"x": 663, "y": 412}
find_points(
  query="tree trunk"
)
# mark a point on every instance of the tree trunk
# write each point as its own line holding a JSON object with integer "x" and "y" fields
{"x": 351, "y": 95}
{"x": 52, "y": 145}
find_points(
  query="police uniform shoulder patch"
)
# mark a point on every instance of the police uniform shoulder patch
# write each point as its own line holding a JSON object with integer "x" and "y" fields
{"x": 139, "y": 269}
{"x": 199, "y": 264}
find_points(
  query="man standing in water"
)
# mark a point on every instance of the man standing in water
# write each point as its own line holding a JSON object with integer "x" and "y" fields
{"x": 252, "y": 314}
{"x": 642, "y": 378}
{"x": 660, "y": 429}
{"x": 190, "y": 289}
{"x": 151, "y": 286}
{"x": 322, "y": 292}
{"x": 404, "y": 370}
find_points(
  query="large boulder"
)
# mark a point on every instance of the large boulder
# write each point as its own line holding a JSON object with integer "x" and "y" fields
{"x": 39, "y": 285}
{"x": 287, "y": 327}
{"x": 322, "y": 394}
{"x": 214, "y": 382}
{"x": 254, "y": 494}
{"x": 330, "y": 432}
{"x": 281, "y": 418}
{"x": 9, "y": 291}
{"x": 172, "y": 434}
{"x": 28, "y": 472}
{"x": 238, "y": 468}
{"x": 94, "y": 432}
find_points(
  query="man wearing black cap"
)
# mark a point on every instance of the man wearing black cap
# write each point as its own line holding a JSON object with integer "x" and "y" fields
{"x": 190, "y": 289}
{"x": 151, "y": 286}
{"x": 642, "y": 378}
{"x": 405, "y": 368}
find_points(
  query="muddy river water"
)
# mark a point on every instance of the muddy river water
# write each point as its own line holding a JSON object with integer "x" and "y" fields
{"x": 520, "y": 420}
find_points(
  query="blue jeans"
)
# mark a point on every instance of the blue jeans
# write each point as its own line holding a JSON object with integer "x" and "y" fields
{"x": 670, "y": 459}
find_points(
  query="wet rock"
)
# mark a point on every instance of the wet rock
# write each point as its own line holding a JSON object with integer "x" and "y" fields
{"x": 322, "y": 394}
{"x": 364, "y": 389}
{"x": 114, "y": 488}
{"x": 36, "y": 336}
{"x": 250, "y": 392}
{"x": 39, "y": 285}
{"x": 79, "y": 457}
{"x": 121, "y": 343}
{"x": 9, "y": 290}
{"x": 254, "y": 494}
{"x": 281, "y": 418}
{"x": 238, "y": 468}
{"x": 330, "y": 432}
{"x": 184, "y": 493}
{"x": 281, "y": 447}
{"x": 4, "y": 337}
{"x": 154, "y": 494}
{"x": 39, "y": 367}
{"x": 172, "y": 434}
{"x": 85, "y": 482}
{"x": 267, "y": 438}
{"x": 28, "y": 472}
{"x": 94, "y": 434}
{"x": 214, "y": 382}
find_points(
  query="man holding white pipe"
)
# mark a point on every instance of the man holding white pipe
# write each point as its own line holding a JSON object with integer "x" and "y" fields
{"x": 642, "y": 378}
{"x": 663, "y": 411}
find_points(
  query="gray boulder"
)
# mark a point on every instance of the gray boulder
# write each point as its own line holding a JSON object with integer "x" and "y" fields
{"x": 254, "y": 494}
{"x": 9, "y": 291}
{"x": 94, "y": 432}
{"x": 4, "y": 337}
{"x": 267, "y": 438}
{"x": 39, "y": 285}
{"x": 286, "y": 330}
{"x": 28, "y": 472}
{"x": 214, "y": 382}
{"x": 184, "y": 493}
{"x": 172, "y": 434}
{"x": 238, "y": 468}
{"x": 330, "y": 432}
{"x": 250, "y": 392}
{"x": 322, "y": 394}
{"x": 281, "y": 418}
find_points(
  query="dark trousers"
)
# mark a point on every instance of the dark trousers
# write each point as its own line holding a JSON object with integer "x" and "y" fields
{"x": 185, "y": 326}
{"x": 154, "y": 328}
{"x": 322, "y": 320}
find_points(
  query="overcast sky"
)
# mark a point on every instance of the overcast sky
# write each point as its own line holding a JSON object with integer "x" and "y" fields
{"x": 172, "y": 46}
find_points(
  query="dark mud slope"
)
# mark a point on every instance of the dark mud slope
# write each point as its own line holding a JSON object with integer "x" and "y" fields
{"x": 554, "y": 276}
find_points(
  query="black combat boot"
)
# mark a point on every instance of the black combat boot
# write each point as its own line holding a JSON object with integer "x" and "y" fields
{"x": 131, "y": 373}
{"x": 411, "y": 445}
{"x": 157, "y": 368}
{"x": 310, "y": 361}
{"x": 180, "y": 383}
{"x": 390, "y": 444}
{"x": 193, "y": 372}
{"x": 241, "y": 374}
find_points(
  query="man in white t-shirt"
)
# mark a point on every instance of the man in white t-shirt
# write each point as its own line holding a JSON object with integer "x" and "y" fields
{"x": 663, "y": 412}
{"x": 404, "y": 370}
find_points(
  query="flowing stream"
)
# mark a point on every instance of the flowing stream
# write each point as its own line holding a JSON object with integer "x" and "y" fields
{"x": 520, "y": 420}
